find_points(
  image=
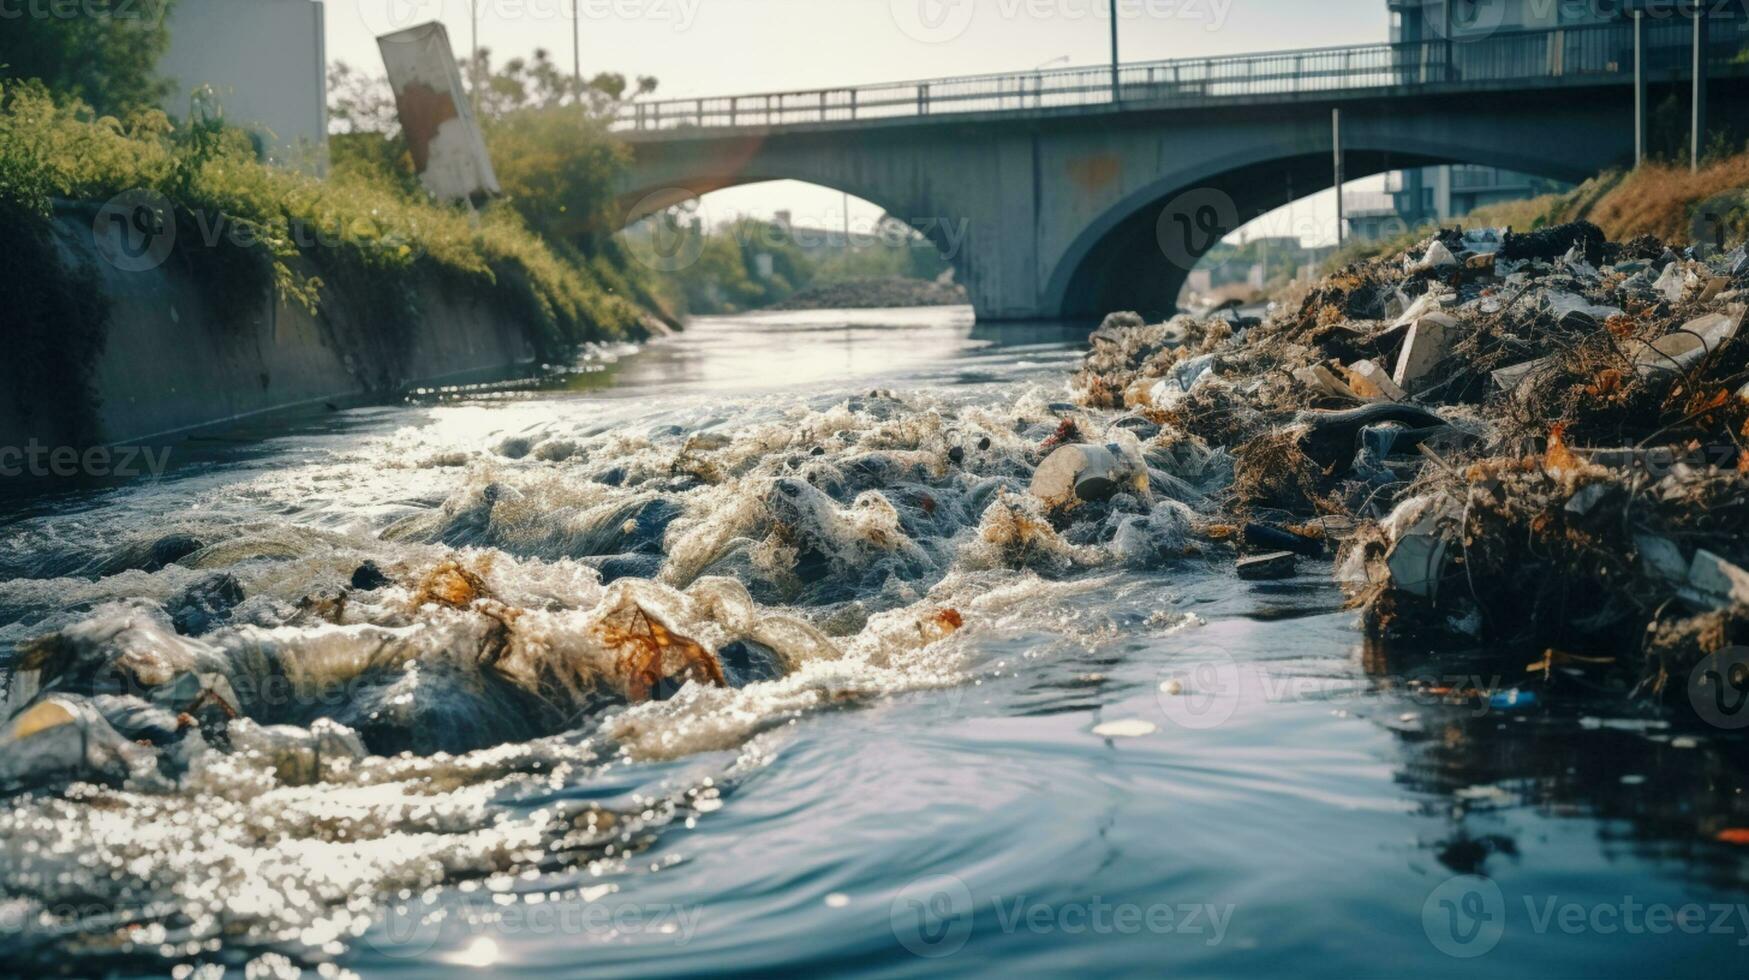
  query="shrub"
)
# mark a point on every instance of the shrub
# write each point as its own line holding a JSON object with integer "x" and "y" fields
{"x": 292, "y": 227}
{"x": 105, "y": 54}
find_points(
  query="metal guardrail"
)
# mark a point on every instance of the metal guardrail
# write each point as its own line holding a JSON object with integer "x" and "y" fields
{"x": 1602, "y": 52}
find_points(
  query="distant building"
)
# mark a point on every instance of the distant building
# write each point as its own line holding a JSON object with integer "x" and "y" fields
{"x": 1460, "y": 20}
{"x": 1429, "y": 195}
{"x": 1426, "y": 196}
{"x": 266, "y": 65}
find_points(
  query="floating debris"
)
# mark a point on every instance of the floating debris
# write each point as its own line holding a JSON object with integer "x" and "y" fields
{"x": 1125, "y": 728}
{"x": 1278, "y": 564}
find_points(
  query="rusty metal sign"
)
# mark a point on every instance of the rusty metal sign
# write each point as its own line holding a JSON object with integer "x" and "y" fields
{"x": 449, "y": 152}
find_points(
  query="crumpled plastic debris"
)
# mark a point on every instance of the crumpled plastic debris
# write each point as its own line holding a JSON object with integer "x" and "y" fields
{"x": 1556, "y": 457}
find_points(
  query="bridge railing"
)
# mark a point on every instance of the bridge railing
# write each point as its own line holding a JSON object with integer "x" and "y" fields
{"x": 1593, "y": 51}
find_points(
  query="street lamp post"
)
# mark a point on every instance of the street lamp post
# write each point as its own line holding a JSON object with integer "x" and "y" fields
{"x": 474, "y": 52}
{"x": 1697, "y": 131}
{"x": 576, "y": 51}
{"x": 1639, "y": 88}
{"x": 1336, "y": 145}
{"x": 1114, "y": 89}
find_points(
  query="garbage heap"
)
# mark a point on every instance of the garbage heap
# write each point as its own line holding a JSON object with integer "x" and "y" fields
{"x": 1520, "y": 440}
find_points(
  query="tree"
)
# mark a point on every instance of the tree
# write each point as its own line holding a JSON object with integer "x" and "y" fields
{"x": 102, "y": 52}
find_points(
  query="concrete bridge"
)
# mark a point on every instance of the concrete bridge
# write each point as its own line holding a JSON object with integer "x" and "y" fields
{"x": 1077, "y": 195}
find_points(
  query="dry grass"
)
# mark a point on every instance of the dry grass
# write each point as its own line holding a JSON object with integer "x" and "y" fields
{"x": 1663, "y": 200}
{"x": 1272, "y": 471}
{"x": 1658, "y": 199}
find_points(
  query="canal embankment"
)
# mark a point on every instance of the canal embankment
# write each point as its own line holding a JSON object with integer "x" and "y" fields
{"x": 171, "y": 352}
{"x": 161, "y": 277}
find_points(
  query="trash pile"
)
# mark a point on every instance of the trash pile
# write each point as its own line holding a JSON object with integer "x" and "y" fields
{"x": 1521, "y": 440}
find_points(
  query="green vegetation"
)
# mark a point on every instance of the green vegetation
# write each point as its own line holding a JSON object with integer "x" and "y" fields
{"x": 351, "y": 223}
{"x": 1665, "y": 197}
{"x": 749, "y": 264}
{"x": 553, "y": 155}
{"x": 1667, "y": 200}
{"x": 99, "y": 52}
{"x": 78, "y": 124}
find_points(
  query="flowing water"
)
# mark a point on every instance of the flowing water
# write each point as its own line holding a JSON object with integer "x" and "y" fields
{"x": 950, "y": 737}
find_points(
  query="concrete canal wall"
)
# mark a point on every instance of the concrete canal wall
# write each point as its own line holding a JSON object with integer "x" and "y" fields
{"x": 177, "y": 354}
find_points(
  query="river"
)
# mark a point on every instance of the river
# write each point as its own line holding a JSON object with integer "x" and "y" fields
{"x": 1099, "y": 752}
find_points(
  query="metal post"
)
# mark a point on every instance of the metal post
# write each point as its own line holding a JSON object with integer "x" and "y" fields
{"x": 474, "y": 52}
{"x": 1336, "y": 143}
{"x": 576, "y": 51}
{"x": 1697, "y": 129}
{"x": 1114, "y": 89}
{"x": 1450, "y": 62}
{"x": 734, "y": 109}
{"x": 1639, "y": 88}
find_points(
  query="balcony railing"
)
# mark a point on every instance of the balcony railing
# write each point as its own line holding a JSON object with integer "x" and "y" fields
{"x": 1603, "y": 52}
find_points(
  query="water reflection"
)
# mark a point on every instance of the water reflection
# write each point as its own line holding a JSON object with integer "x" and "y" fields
{"x": 1662, "y": 788}
{"x": 1227, "y": 758}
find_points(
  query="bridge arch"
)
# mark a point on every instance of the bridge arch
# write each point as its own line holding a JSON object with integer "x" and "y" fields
{"x": 671, "y": 172}
{"x": 1138, "y": 253}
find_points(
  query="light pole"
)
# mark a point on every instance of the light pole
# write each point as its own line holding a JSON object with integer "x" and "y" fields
{"x": 576, "y": 52}
{"x": 1114, "y": 89}
{"x": 1697, "y": 132}
{"x": 474, "y": 52}
{"x": 1336, "y": 144}
{"x": 1639, "y": 88}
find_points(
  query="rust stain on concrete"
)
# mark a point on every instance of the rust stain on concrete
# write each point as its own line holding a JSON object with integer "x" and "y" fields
{"x": 1096, "y": 172}
{"x": 422, "y": 109}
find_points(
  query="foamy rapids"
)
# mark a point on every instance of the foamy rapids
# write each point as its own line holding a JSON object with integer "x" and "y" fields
{"x": 391, "y": 690}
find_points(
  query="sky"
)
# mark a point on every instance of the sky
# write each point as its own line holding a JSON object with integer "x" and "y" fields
{"x": 725, "y": 47}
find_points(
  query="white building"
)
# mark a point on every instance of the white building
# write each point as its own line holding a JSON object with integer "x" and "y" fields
{"x": 266, "y": 64}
